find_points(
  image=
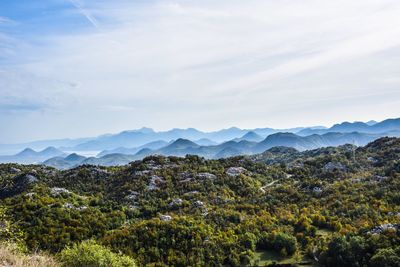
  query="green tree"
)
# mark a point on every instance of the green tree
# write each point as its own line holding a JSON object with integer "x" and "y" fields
{"x": 285, "y": 243}
{"x": 91, "y": 254}
{"x": 386, "y": 257}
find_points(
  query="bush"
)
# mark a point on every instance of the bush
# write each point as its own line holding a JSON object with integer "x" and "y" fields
{"x": 91, "y": 254}
{"x": 285, "y": 243}
{"x": 386, "y": 257}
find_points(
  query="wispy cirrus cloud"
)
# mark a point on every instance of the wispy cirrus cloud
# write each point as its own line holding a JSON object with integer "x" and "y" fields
{"x": 5, "y": 20}
{"x": 79, "y": 4}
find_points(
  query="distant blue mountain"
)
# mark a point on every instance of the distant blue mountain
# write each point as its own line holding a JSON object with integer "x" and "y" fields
{"x": 250, "y": 136}
{"x": 130, "y": 151}
{"x": 64, "y": 163}
{"x": 205, "y": 142}
{"x": 138, "y": 138}
{"x": 40, "y": 145}
{"x": 390, "y": 126}
{"x": 132, "y": 141}
{"x": 29, "y": 155}
{"x": 182, "y": 147}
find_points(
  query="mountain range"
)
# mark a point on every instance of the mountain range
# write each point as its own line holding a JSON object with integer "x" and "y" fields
{"x": 373, "y": 127}
{"x": 119, "y": 149}
{"x": 140, "y": 137}
{"x": 182, "y": 147}
{"x": 29, "y": 156}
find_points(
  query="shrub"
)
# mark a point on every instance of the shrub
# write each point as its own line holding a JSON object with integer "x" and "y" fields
{"x": 386, "y": 257}
{"x": 285, "y": 243}
{"x": 91, "y": 254}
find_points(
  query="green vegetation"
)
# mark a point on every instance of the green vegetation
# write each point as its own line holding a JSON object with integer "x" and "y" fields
{"x": 91, "y": 254}
{"x": 271, "y": 257}
{"x": 327, "y": 207}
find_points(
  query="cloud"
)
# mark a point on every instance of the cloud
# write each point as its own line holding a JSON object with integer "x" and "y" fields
{"x": 14, "y": 106}
{"x": 213, "y": 64}
{"x": 25, "y": 92}
{"x": 80, "y": 6}
{"x": 5, "y": 20}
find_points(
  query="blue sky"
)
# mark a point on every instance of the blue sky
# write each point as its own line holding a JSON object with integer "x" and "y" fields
{"x": 71, "y": 68}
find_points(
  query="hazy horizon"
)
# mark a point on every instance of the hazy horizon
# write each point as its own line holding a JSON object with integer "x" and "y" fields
{"x": 79, "y": 68}
{"x": 184, "y": 128}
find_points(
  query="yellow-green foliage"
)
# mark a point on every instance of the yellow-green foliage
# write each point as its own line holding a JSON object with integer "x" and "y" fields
{"x": 91, "y": 254}
{"x": 9, "y": 232}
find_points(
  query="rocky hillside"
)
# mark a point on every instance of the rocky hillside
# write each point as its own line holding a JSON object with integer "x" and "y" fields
{"x": 329, "y": 207}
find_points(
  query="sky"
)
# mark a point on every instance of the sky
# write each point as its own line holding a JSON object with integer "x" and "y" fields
{"x": 75, "y": 68}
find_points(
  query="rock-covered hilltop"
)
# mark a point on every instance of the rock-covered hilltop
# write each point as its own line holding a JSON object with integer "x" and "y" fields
{"x": 329, "y": 207}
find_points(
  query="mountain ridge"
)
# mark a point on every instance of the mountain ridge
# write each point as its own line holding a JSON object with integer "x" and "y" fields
{"x": 182, "y": 147}
{"x": 139, "y": 137}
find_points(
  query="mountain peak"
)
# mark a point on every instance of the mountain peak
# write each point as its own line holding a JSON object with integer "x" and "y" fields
{"x": 251, "y": 136}
{"x": 145, "y": 130}
{"x": 50, "y": 152}
{"x": 282, "y": 134}
{"x": 233, "y": 128}
{"x": 349, "y": 127}
{"x": 250, "y": 133}
{"x": 74, "y": 157}
{"x": 183, "y": 143}
{"x": 27, "y": 152}
{"x": 371, "y": 122}
{"x": 49, "y": 149}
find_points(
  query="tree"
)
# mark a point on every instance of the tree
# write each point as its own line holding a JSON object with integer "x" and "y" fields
{"x": 386, "y": 257}
{"x": 285, "y": 243}
{"x": 249, "y": 241}
{"x": 91, "y": 254}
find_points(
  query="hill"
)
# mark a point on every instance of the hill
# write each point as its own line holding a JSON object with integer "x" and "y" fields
{"x": 64, "y": 163}
{"x": 295, "y": 206}
{"x": 180, "y": 147}
{"x": 108, "y": 160}
{"x": 74, "y": 160}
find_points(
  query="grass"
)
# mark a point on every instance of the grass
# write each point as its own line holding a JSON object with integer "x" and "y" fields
{"x": 11, "y": 256}
{"x": 267, "y": 257}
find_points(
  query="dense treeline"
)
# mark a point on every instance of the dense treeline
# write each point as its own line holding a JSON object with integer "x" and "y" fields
{"x": 328, "y": 207}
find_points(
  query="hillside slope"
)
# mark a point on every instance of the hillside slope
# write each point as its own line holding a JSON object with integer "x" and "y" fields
{"x": 296, "y": 206}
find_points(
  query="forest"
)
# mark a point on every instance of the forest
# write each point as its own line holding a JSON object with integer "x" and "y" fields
{"x": 334, "y": 206}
